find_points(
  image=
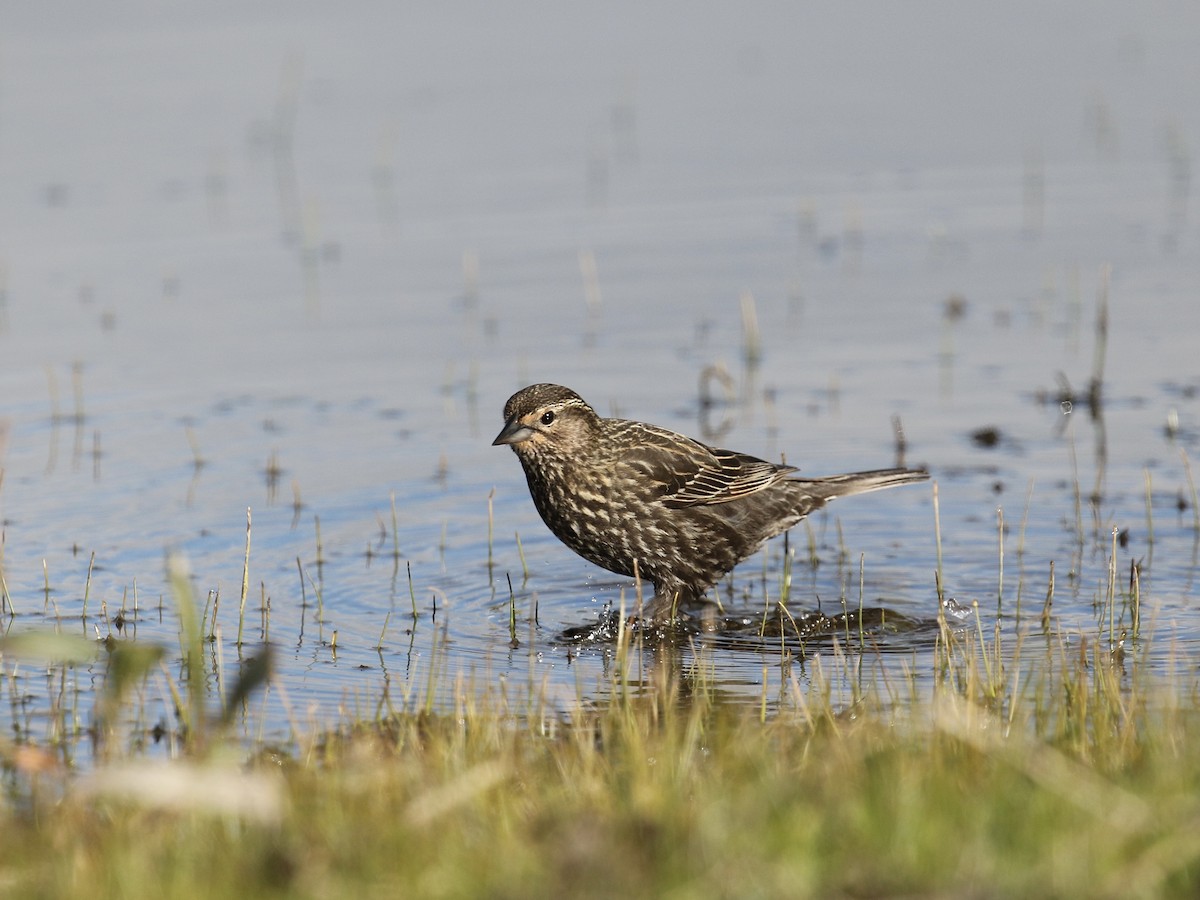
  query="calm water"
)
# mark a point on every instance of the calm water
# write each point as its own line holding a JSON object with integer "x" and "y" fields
{"x": 296, "y": 260}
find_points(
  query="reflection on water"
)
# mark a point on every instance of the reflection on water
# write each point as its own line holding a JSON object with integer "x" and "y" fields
{"x": 302, "y": 283}
{"x": 776, "y": 627}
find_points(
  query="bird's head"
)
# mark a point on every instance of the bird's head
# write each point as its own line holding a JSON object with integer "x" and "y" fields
{"x": 548, "y": 419}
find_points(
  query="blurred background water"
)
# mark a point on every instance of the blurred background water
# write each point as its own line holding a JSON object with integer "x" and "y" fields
{"x": 294, "y": 258}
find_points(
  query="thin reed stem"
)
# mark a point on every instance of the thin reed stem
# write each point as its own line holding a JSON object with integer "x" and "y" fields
{"x": 245, "y": 582}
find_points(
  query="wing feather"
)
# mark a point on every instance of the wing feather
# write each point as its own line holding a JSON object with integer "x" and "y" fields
{"x": 687, "y": 473}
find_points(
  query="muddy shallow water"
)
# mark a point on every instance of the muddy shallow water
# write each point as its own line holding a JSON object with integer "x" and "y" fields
{"x": 295, "y": 262}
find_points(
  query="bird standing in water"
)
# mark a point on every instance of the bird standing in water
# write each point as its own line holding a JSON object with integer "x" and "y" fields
{"x": 646, "y": 502}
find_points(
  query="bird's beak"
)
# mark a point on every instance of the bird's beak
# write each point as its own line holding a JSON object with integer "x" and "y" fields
{"x": 513, "y": 432}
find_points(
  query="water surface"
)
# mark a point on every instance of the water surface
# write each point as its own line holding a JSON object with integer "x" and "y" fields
{"x": 295, "y": 260}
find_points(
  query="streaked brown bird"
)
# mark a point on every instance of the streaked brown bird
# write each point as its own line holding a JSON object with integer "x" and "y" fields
{"x": 626, "y": 494}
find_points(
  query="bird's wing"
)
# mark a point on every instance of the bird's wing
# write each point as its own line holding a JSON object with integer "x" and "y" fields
{"x": 687, "y": 473}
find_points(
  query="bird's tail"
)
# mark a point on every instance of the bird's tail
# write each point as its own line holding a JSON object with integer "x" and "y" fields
{"x": 819, "y": 491}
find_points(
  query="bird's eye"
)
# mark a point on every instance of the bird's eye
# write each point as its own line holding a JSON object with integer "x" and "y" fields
{"x": 548, "y": 417}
